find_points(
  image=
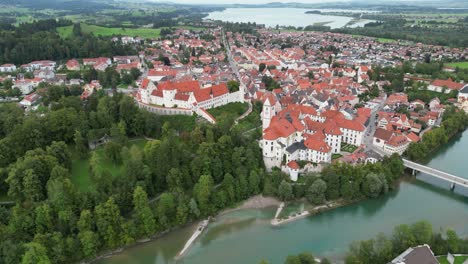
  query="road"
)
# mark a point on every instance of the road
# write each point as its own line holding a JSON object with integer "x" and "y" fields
{"x": 369, "y": 136}
{"x": 234, "y": 68}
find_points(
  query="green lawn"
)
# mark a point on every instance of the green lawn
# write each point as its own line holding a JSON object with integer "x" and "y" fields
{"x": 81, "y": 176}
{"x": 105, "y": 31}
{"x": 348, "y": 148}
{"x": 65, "y": 32}
{"x": 458, "y": 260}
{"x": 233, "y": 109}
{"x": 385, "y": 40}
{"x": 336, "y": 156}
{"x": 461, "y": 65}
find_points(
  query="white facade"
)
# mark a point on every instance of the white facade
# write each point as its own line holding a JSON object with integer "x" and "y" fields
{"x": 352, "y": 137}
{"x": 7, "y": 68}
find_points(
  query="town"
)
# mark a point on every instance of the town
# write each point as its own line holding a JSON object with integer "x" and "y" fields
{"x": 325, "y": 96}
{"x": 243, "y": 132}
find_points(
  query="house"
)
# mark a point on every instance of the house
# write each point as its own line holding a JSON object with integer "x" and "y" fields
{"x": 390, "y": 142}
{"x": 99, "y": 64}
{"x": 73, "y": 65}
{"x": 7, "y": 68}
{"x": 397, "y": 99}
{"x": 128, "y": 66}
{"x": 30, "y": 100}
{"x": 44, "y": 74}
{"x": 416, "y": 255}
{"x": 445, "y": 86}
{"x": 26, "y": 86}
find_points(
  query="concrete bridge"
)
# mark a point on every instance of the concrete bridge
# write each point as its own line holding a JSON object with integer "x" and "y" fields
{"x": 447, "y": 177}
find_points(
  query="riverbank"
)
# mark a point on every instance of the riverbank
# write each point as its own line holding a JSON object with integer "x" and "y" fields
{"x": 311, "y": 212}
{"x": 254, "y": 202}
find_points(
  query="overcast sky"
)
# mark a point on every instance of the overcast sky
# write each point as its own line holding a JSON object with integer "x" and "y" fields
{"x": 248, "y": 1}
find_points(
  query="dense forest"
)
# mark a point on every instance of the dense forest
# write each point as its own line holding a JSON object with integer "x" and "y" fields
{"x": 40, "y": 41}
{"x": 190, "y": 172}
{"x": 397, "y": 28}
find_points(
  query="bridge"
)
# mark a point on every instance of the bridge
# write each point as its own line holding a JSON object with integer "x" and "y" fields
{"x": 450, "y": 178}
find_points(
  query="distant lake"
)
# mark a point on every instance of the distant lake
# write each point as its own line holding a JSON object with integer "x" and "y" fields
{"x": 296, "y": 17}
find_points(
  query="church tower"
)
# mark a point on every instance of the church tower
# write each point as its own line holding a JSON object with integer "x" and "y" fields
{"x": 268, "y": 111}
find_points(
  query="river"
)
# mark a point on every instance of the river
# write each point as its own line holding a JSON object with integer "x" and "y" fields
{"x": 296, "y": 17}
{"x": 247, "y": 236}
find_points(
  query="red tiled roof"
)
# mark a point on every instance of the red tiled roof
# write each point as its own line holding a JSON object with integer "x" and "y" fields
{"x": 202, "y": 94}
{"x": 278, "y": 128}
{"x": 181, "y": 97}
{"x": 220, "y": 89}
{"x": 317, "y": 145}
{"x": 331, "y": 128}
{"x": 145, "y": 83}
{"x": 448, "y": 83}
{"x": 350, "y": 124}
{"x": 413, "y": 137}
{"x": 398, "y": 141}
{"x": 293, "y": 165}
{"x": 383, "y": 134}
{"x": 185, "y": 86}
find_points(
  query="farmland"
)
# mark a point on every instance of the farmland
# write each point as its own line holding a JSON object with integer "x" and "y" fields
{"x": 461, "y": 65}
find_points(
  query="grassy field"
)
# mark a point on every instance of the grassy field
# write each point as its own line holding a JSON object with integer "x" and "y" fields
{"x": 385, "y": 40}
{"x": 65, "y": 32}
{"x": 105, "y": 31}
{"x": 81, "y": 176}
{"x": 234, "y": 109}
{"x": 461, "y": 65}
{"x": 458, "y": 260}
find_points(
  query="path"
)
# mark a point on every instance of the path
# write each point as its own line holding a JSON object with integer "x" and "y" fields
{"x": 201, "y": 227}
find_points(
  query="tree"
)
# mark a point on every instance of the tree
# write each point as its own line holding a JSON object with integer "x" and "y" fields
{"x": 316, "y": 192}
{"x": 194, "y": 208}
{"x": 43, "y": 220}
{"x": 144, "y": 218}
{"x": 254, "y": 182}
{"x": 202, "y": 192}
{"x": 112, "y": 151}
{"x": 77, "y": 30}
{"x": 292, "y": 260}
{"x": 307, "y": 258}
{"x": 285, "y": 191}
{"x": 233, "y": 86}
{"x": 108, "y": 221}
{"x": 372, "y": 186}
{"x": 453, "y": 241}
{"x": 86, "y": 222}
{"x": 35, "y": 254}
{"x": 89, "y": 243}
{"x": 261, "y": 67}
{"x": 81, "y": 147}
{"x": 60, "y": 151}
{"x": 422, "y": 232}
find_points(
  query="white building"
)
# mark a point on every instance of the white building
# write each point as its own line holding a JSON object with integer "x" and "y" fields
{"x": 187, "y": 95}
{"x": 7, "y": 68}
